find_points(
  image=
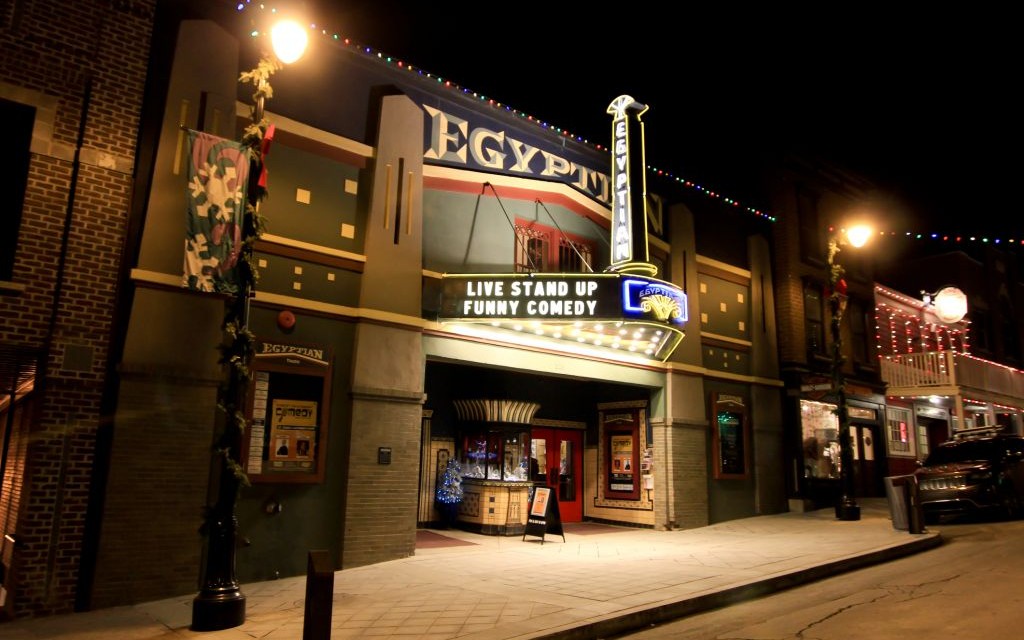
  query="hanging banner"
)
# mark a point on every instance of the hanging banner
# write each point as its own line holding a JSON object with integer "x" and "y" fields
{"x": 218, "y": 175}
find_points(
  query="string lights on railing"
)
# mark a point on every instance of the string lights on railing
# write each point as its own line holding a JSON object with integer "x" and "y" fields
{"x": 903, "y": 327}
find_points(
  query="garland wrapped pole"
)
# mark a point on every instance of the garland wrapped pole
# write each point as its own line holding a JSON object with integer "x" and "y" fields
{"x": 220, "y": 603}
{"x": 847, "y": 507}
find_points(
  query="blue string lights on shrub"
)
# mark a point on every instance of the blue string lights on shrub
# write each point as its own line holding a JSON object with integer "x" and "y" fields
{"x": 449, "y": 488}
{"x": 392, "y": 61}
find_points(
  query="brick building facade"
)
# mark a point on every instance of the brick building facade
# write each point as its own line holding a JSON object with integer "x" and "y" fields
{"x": 81, "y": 70}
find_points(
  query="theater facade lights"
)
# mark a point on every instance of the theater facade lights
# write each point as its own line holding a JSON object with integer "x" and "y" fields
{"x": 623, "y": 309}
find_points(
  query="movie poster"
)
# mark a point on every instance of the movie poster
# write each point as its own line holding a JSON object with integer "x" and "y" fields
{"x": 622, "y": 471}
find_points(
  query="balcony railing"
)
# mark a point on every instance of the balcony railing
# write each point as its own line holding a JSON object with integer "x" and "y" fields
{"x": 940, "y": 371}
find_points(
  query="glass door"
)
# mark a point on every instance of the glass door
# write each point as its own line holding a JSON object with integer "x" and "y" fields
{"x": 559, "y": 464}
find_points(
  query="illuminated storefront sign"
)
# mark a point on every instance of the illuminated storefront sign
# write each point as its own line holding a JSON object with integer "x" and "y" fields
{"x": 623, "y": 308}
{"x": 452, "y": 140}
{"x": 561, "y": 296}
{"x": 629, "y": 217}
{"x": 595, "y": 308}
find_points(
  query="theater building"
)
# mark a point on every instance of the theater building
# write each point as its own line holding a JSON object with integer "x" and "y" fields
{"x": 440, "y": 277}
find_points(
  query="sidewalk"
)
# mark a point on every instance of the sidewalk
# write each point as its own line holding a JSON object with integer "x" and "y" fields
{"x": 601, "y": 580}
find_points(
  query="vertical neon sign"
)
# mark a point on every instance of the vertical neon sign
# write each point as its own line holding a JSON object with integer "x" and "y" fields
{"x": 629, "y": 214}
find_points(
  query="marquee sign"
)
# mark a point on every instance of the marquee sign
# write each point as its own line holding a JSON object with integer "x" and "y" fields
{"x": 631, "y": 312}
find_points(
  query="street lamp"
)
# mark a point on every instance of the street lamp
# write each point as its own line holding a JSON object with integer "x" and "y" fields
{"x": 847, "y": 507}
{"x": 220, "y": 603}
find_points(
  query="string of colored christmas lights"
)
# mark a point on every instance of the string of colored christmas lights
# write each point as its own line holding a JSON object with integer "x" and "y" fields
{"x": 401, "y": 64}
{"x": 242, "y": 5}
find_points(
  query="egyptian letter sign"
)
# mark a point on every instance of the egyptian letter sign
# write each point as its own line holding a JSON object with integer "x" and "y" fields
{"x": 629, "y": 224}
{"x": 653, "y": 299}
{"x": 453, "y": 140}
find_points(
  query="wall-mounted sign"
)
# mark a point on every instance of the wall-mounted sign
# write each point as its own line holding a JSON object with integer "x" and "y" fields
{"x": 561, "y": 296}
{"x": 485, "y": 145}
{"x": 629, "y": 189}
{"x": 635, "y": 312}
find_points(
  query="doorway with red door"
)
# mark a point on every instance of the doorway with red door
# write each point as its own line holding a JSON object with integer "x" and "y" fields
{"x": 557, "y": 462}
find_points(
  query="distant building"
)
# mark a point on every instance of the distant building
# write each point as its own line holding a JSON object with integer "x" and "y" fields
{"x": 912, "y": 377}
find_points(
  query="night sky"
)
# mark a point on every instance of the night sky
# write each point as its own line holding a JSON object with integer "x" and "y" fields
{"x": 922, "y": 103}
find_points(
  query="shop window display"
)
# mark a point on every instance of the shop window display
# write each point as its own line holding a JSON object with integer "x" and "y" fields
{"x": 820, "y": 439}
{"x": 497, "y": 454}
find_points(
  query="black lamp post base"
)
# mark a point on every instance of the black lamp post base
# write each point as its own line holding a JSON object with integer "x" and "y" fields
{"x": 847, "y": 510}
{"x": 219, "y": 611}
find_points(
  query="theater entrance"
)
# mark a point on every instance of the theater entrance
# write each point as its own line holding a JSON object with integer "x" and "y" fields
{"x": 559, "y": 456}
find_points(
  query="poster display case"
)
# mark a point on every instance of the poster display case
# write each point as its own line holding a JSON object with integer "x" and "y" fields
{"x": 730, "y": 437}
{"x": 288, "y": 414}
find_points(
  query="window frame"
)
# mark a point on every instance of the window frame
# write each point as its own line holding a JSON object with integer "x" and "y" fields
{"x": 895, "y": 445}
{"x": 810, "y": 322}
{"x": 554, "y": 244}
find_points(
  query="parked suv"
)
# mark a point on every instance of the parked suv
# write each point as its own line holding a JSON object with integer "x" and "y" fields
{"x": 978, "y": 471}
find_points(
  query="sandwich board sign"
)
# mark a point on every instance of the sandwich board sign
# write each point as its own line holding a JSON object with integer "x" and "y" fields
{"x": 543, "y": 516}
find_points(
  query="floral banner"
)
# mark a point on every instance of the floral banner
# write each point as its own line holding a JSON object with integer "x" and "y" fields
{"x": 218, "y": 175}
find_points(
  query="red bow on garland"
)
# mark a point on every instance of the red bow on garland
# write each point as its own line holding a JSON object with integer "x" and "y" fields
{"x": 264, "y": 152}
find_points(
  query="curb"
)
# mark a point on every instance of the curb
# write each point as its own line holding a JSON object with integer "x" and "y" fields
{"x": 640, "y": 619}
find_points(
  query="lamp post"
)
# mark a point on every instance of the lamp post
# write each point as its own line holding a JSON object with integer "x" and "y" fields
{"x": 220, "y": 603}
{"x": 847, "y": 507}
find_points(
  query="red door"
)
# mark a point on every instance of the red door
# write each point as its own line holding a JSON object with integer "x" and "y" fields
{"x": 559, "y": 456}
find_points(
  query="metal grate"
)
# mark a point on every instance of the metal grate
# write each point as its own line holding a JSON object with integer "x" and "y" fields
{"x": 18, "y": 367}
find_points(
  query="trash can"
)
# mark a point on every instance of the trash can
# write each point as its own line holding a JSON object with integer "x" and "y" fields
{"x": 904, "y": 504}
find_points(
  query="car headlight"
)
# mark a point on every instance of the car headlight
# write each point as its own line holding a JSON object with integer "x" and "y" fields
{"x": 979, "y": 476}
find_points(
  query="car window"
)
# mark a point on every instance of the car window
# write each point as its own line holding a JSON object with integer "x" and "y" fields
{"x": 964, "y": 451}
{"x": 1017, "y": 446}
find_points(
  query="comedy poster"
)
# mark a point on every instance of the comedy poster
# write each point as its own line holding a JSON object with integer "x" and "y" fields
{"x": 293, "y": 425}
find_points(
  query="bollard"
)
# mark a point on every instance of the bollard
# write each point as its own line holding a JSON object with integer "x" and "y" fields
{"x": 316, "y": 623}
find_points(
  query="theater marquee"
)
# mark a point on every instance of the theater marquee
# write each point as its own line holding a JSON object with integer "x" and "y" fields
{"x": 623, "y": 308}
{"x": 624, "y": 312}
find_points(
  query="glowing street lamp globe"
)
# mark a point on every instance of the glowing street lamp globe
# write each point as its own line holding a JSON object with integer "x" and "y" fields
{"x": 289, "y": 40}
{"x": 858, "y": 235}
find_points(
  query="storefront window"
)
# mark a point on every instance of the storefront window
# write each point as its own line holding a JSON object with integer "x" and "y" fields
{"x": 497, "y": 454}
{"x": 820, "y": 439}
{"x": 898, "y": 431}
